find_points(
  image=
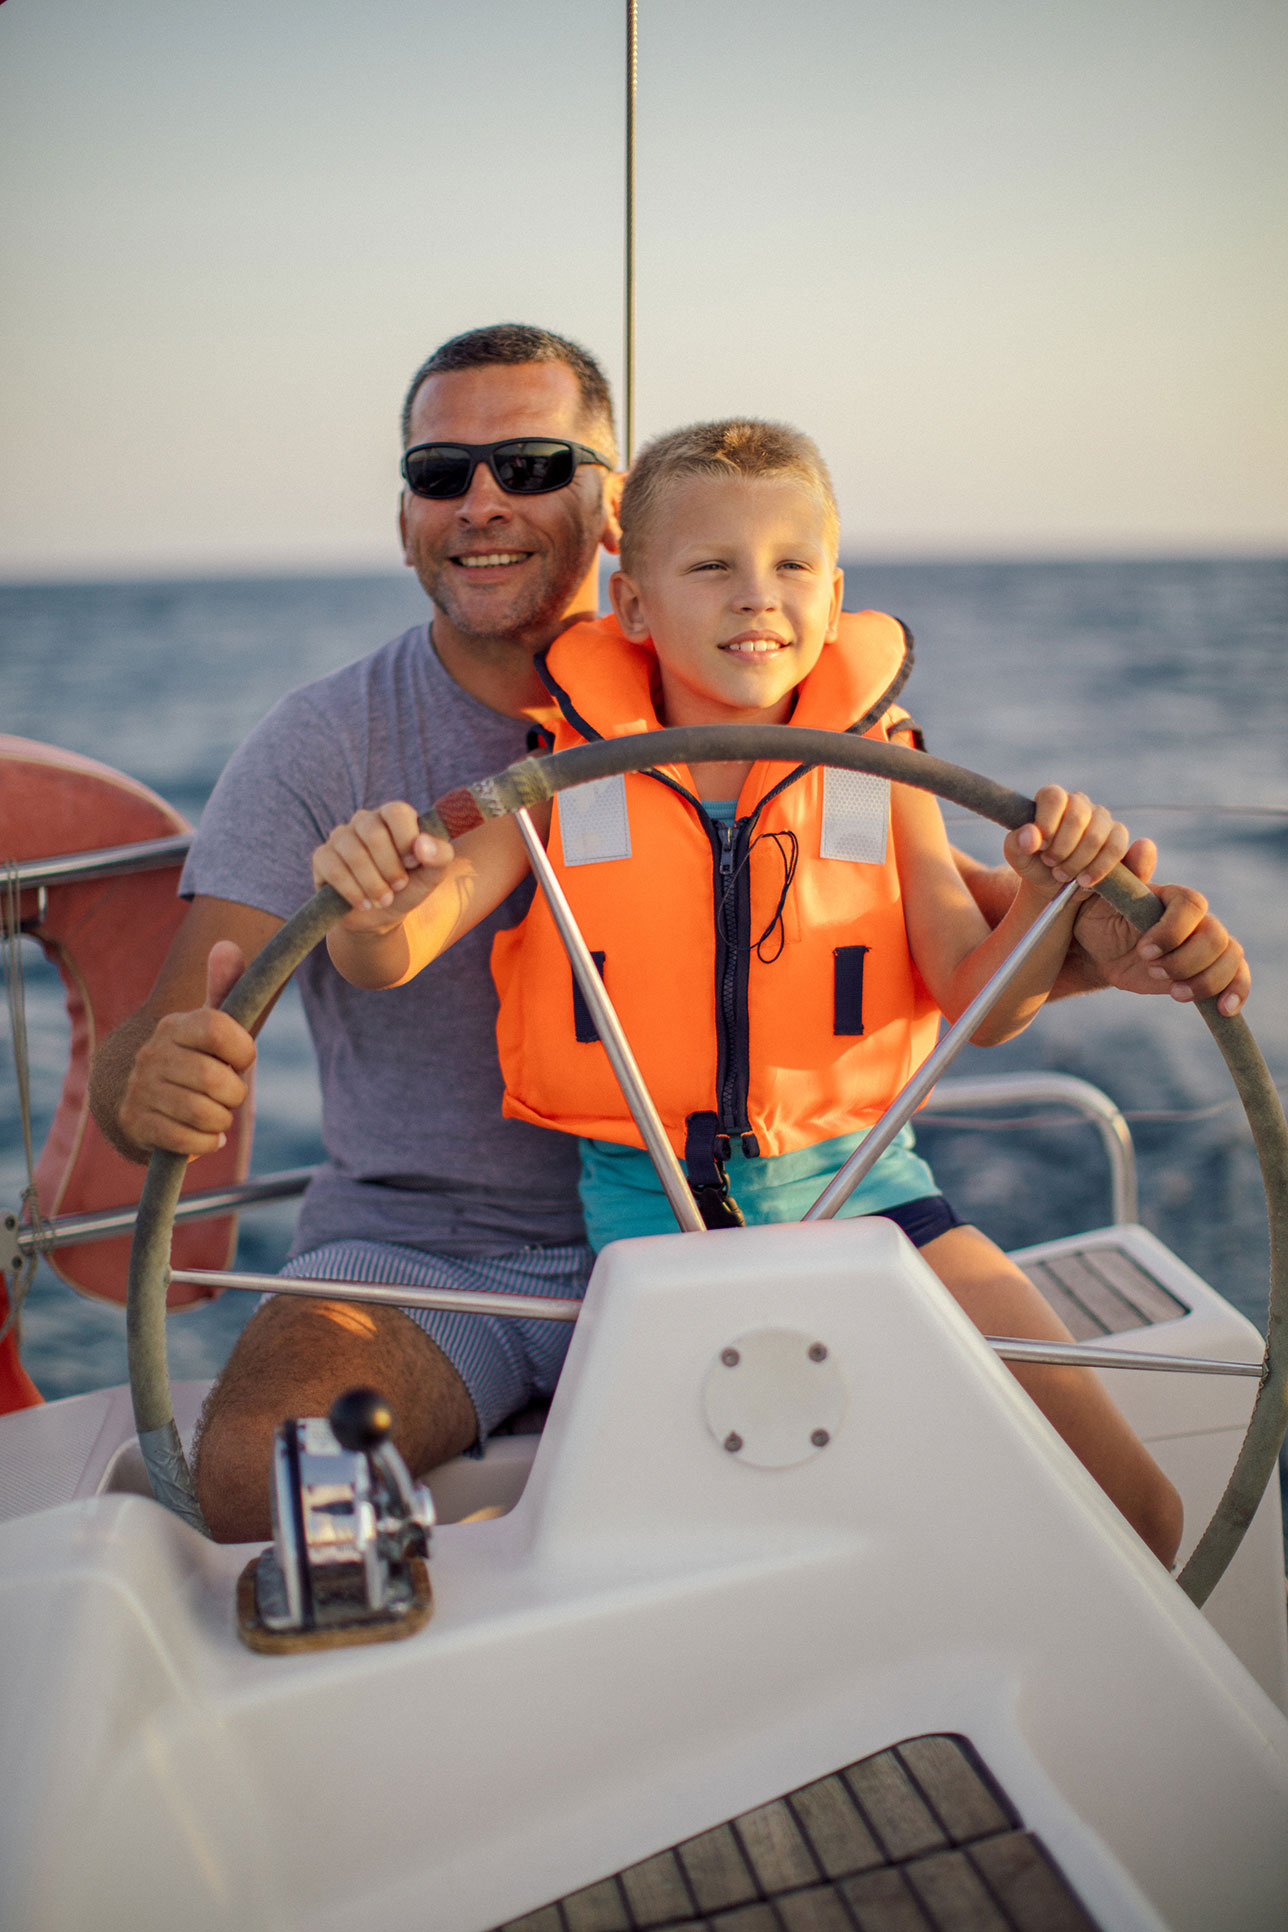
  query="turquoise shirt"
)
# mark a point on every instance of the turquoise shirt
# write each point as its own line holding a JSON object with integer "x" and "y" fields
{"x": 621, "y": 1194}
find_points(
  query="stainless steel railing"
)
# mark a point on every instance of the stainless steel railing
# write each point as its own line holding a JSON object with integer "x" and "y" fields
{"x": 1058, "y": 1090}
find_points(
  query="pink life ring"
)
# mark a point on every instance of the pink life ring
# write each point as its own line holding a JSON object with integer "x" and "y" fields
{"x": 108, "y": 938}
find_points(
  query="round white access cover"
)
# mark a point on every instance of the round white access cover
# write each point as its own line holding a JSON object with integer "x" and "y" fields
{"x": 774, "y": 1397}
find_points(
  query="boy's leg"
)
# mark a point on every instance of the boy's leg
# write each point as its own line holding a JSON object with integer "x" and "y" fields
{"x": 1000, "y": 1300}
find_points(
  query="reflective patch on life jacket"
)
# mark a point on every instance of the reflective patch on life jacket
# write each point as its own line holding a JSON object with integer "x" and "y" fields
{"x": 856, "y": 817}
{"x": 594, "y": 824}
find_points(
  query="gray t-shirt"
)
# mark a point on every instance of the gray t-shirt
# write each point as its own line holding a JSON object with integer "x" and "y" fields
{"x": 417, "y": 1149}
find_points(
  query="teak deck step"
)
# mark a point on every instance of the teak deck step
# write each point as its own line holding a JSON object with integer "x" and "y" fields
{"x": 1102, "y": 1291}
{"x": 918, "y": 1838}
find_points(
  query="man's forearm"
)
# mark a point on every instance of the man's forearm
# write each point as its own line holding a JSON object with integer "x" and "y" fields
{"x": 993, "y": 888}
{"x": 108, "y": 1078}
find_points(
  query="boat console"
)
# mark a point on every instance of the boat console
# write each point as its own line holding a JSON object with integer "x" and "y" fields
{"x": 667, "y": 1646}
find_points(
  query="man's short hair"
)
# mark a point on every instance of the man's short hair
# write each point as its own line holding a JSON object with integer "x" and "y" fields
{"x": 516, "y": 342}
{"x": 738, "y": 446}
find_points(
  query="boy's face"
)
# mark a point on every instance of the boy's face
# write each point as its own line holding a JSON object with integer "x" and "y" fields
{"x": 738, "y": 588}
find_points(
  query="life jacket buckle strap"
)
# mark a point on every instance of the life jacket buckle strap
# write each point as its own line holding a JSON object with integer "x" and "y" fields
{"x": 705, "y": 1151}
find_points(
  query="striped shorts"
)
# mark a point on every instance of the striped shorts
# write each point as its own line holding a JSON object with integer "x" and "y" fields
{"x": 504, "y": 1363}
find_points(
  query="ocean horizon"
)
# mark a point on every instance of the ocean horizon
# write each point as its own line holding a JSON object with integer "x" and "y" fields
{"x": 1154, "y": 683}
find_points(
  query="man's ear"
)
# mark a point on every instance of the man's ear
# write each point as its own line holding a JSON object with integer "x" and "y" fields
{"x": 612, "y": 535}
{"x": 627, "y": 607}
{"x": 402, "y": 527}
{"x": 834, "y": 614}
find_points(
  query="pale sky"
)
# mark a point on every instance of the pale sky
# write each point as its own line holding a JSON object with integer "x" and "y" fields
{"x": 1018, "y": 266}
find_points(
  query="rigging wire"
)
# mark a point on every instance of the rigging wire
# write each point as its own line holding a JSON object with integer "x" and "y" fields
{"x": 628, "y": 292}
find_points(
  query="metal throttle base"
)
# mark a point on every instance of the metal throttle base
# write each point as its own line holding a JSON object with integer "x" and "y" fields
{"x": 351, "y": 1536}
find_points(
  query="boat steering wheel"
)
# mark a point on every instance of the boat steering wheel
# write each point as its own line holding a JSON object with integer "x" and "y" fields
{"x": 530, "y": 782}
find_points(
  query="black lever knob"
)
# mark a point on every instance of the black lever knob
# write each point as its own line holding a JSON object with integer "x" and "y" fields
{"x": 361, "y": 1420}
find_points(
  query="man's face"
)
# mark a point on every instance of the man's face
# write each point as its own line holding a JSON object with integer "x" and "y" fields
{"x": 502, "y": 567}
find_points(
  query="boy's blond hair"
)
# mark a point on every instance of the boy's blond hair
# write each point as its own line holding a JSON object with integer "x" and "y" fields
{"x": 738, "y": 446}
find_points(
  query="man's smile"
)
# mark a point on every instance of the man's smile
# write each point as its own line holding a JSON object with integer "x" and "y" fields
{"x": 490, "y": 559}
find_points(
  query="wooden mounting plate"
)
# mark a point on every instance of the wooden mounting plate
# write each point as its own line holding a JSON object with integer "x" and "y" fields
{"x": 287, "y": 1643}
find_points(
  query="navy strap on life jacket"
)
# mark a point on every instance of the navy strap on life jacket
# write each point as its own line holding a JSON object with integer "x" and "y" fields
{"x": 706, "y": 1172}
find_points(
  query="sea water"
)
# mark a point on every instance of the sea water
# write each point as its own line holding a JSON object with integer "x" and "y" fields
{"x": 1157, "y": 687}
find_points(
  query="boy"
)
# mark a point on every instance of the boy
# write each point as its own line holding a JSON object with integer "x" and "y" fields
{"x": 805, "y": 935}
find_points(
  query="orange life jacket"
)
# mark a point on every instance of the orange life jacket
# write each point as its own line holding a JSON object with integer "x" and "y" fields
{"x": 761, "y": 969}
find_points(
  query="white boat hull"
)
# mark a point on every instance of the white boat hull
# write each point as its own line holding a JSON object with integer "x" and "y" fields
{"x": 657, "y": 1637}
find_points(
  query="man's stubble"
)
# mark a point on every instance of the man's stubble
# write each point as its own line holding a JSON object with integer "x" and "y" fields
{"x": 531, "y": 614}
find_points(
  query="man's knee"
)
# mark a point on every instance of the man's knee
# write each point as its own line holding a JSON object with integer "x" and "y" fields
{"x": 294, "y": 1357}
{"x": 308, "y": 1338}
{"x": 302, "y": 1343}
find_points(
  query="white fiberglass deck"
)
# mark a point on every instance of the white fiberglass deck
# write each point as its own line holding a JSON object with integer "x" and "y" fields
{"x": 658, "y": 1637}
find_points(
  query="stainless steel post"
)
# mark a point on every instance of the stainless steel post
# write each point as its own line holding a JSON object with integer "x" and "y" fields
{"x": 879, "y": 1137}
{"x": 1014, "y": 1348}
{"x": 481, "y": 1301}
{"x": 112, "y": 861}
{"x": 1061, "y": 1090}
{"x": 609, "y": 1027}
{"x": 628, "y": 292}
{"x": 69, "y": 1230}
{"x": 464, "y": 1301}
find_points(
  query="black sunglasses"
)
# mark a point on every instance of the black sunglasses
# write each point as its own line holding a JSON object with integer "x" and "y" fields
{"x": 522, "y": 465}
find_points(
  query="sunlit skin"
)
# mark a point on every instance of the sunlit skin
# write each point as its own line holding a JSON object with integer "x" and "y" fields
{"x": 739, "y": 577}
{"x": 506, "y": 573}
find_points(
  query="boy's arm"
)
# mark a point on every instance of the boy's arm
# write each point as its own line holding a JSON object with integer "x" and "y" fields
{"x": 954, "y": 951}
{"x": 993, "y": 888}
{"x": 412, "y": 895}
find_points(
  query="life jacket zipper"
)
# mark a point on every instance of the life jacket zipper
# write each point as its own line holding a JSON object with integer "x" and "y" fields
{"x": 733, "y": 885}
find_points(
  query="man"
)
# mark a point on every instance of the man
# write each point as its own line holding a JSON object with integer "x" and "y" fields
{"x": 426, "y": 1184}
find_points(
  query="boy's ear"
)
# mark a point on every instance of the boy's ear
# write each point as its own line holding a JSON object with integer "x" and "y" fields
{"x": 611, "y": 537}
{"x": 834, "y": 614}
{"x": 627, "y": 606}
